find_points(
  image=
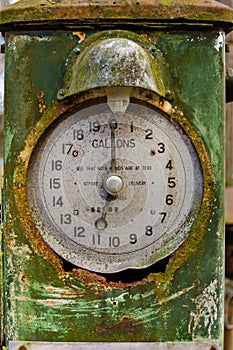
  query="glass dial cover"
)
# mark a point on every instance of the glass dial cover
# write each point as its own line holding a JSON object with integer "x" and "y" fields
{"x": 114, "y": 190}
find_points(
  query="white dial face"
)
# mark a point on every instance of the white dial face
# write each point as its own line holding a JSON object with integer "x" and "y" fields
{"x": 110, "y": 191}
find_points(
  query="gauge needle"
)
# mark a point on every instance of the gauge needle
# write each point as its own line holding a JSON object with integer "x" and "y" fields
{"x": 101, "y": 223}
{"x": 113, "y": 183}
{"x": 113, "y": 147}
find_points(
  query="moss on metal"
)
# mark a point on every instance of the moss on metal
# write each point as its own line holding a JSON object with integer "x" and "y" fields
{"x": 47, "y": 303}
{"x": 114, "y": 58}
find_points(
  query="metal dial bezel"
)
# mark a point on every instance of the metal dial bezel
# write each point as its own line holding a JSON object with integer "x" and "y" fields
{"x": 112, "y": 263}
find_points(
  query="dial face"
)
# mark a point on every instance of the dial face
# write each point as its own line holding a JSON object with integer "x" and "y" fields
{"x": 114, "y": 190}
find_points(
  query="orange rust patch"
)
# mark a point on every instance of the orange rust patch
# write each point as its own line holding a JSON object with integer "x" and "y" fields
{"x": 81, "y": 36}
{"x": 93, "y": 279}
{"x": 41, "y": 102}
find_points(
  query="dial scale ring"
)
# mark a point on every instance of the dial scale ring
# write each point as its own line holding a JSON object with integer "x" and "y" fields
{"x": 141, "y": 217}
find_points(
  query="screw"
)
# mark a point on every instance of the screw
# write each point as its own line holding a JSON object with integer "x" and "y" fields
{"x": 75, "y": 153}
{"x": 61, "y": 92}
{"x": 152, "y": 152}
{"x": 77, "y": 50}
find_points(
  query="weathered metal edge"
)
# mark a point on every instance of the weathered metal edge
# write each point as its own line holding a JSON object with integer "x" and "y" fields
{"x": 47, "y": 12}
{"x": 17, "y": 345}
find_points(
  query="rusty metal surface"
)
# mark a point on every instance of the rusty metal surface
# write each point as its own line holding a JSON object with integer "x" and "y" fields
{"x": 48, "y": 302}
{"x": 52, "y": 13}
{"x": 114, "y": 346}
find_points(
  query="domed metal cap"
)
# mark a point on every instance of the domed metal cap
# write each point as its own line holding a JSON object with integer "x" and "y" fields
{"x": 115, "y": 61}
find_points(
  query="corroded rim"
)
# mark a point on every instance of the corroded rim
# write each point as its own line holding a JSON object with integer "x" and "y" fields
{"x": 56, "y": 110}
{"x": 32, "y": 12}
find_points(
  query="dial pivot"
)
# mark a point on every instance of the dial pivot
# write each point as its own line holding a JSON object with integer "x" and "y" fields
{"x": 113, "y": 184}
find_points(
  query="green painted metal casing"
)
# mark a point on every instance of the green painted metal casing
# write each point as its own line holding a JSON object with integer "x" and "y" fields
{"x": 41, "y": 300}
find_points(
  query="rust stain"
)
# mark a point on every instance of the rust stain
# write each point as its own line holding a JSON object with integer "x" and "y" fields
{"x": 41, "y": 102}
{"x": 81, "y": 36}
{"x": 144, "y": 36}
{"x": 93, "y": 279}
{"x": 126, "y": 324}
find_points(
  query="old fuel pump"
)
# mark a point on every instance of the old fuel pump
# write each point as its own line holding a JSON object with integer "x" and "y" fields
{"x": 114, "y": 174}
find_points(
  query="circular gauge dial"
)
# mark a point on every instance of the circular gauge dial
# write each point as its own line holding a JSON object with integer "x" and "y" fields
{"x": 114, "y": 190}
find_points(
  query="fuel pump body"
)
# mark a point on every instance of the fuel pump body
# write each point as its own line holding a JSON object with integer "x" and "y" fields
{"x": 51, "y": 49}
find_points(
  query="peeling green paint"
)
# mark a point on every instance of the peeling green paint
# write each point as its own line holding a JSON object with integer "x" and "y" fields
{"x": 47, "y": 303}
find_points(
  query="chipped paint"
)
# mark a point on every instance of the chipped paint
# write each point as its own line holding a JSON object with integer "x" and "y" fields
{"x": 177, "y": 294}
{"x": 206, "y": 312}
{"x": 50, "y": 301}
{"x": 220, "y": 41}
